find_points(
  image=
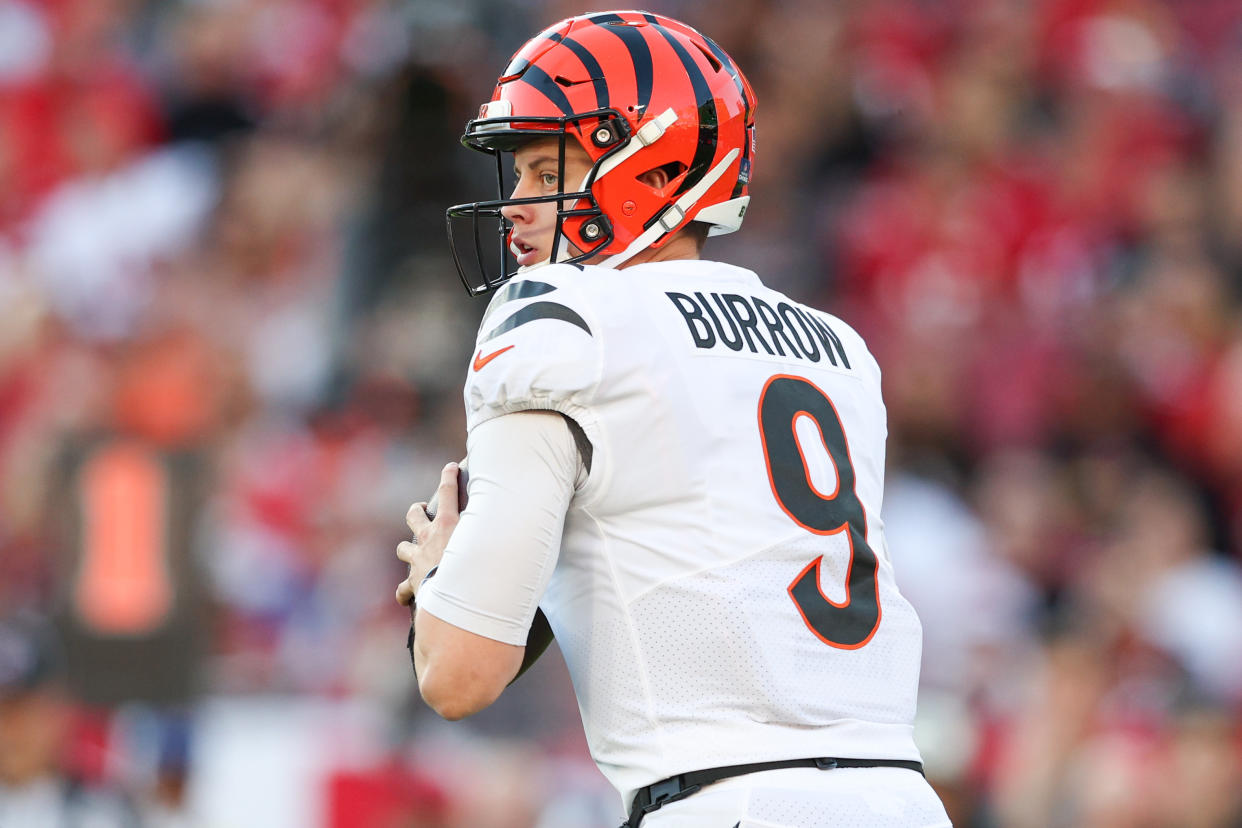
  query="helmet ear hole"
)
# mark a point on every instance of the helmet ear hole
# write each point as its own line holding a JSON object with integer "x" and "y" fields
{"x": 662, "y": 177}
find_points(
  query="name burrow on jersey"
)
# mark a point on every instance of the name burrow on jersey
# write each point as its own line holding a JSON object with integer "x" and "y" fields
{"x": 719, "y": 321}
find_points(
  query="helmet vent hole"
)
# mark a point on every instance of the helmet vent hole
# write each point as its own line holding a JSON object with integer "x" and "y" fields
{"x": 712, "y": 59}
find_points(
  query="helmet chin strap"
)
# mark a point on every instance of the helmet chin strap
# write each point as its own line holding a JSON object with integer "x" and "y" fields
{"x": 672, "y": 214}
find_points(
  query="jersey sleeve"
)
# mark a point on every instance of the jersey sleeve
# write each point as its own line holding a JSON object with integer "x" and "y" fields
{"x": 523, "y": 472}
{"x": 539, "y": 347}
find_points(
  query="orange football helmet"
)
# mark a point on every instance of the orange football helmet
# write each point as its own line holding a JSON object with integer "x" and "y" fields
{"x": 638, "y": 92}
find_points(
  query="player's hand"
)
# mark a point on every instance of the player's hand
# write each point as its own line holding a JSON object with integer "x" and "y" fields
{"x": 431, "y": 536}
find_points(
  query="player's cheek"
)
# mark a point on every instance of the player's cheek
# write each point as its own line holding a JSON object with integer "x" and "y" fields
{"x": 546, "y": 221}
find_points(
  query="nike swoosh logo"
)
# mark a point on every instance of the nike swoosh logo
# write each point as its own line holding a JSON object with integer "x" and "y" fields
{"x": 480, "y": 360}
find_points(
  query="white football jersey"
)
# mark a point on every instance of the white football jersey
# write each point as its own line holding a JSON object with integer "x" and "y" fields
{"x": 723, "y": 593}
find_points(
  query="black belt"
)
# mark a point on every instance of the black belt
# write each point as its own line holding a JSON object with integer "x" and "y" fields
{"x": 657, "y": 795}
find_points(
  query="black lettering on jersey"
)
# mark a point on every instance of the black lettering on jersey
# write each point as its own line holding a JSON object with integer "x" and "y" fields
{"x": 775, "y": 328}
{"x": 827, "y": 338}
{"x": 792, "y": 330}
{"x": 790, "y": 314}
{"x": 700, "y": 331}
{"x": 734, "y": 344}
{"x": 749, "y": 322}
{"x": 539, "y": 310}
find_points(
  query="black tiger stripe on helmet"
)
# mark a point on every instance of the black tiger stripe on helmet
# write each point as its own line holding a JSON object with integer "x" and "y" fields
{"x": 640, "y": 56}
{"x": 708, "y": 116}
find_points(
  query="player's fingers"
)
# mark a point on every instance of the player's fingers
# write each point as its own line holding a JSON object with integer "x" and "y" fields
{"x": 416, "y": 518}
{"x": 405, "y": 593}
{"x": 446, "y": 494}
{"x": 405, "y": 551}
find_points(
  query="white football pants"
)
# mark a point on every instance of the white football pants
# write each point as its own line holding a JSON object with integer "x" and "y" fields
{"x": 809, "y": 798}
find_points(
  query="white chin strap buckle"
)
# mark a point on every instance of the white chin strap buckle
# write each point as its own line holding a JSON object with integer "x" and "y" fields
{"x": 671, "y": 217}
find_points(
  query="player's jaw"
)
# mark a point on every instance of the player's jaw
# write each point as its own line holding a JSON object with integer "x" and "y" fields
{"x": 531, "y": 241}
{"x": 532, "y": 245}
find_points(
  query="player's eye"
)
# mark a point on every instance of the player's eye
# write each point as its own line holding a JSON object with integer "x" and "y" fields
{"x": 548, "y": 179}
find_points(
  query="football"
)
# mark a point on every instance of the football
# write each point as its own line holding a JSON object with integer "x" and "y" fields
{"x": 463, "y": 477}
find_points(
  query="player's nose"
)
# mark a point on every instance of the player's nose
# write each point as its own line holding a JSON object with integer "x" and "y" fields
{"x": 518, "y": 213}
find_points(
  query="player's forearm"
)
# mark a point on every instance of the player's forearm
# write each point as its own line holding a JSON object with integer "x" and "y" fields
{"x": 430, "y": 681}
{"x": 460, "y": 673}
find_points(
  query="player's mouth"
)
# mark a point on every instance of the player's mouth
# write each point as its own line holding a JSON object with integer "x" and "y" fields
{"x": 524, "y": 253}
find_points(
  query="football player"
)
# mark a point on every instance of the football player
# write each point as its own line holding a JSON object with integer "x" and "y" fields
{"x": 674, "y": 468}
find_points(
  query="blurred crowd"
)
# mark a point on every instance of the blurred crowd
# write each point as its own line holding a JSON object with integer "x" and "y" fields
{"x": 232, "y": 343}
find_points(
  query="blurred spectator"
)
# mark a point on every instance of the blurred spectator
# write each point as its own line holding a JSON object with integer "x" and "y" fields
{"x": 36, "y": 789}
{"x": 1036, "y": 775}
{"x": 1187, "y": 600}
{"x": 983, "y": 602}
{"x": 97, "y": 242}
{"x": 207, "y": 94}
{"x": 1203, "y": 784}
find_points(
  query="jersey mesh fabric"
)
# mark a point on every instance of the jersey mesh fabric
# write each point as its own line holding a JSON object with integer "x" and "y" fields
{"x": 723, "y": 643}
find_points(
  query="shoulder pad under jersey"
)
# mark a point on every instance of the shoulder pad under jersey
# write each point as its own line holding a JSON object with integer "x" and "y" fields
{"x": 538, "y": 347}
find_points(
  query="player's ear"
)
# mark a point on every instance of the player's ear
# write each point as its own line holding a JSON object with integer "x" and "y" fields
{"x": 659, "y": 177}
{"x": 656, "y": 179}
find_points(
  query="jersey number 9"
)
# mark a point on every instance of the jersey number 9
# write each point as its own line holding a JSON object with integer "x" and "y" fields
{"x": 784, "y": 400}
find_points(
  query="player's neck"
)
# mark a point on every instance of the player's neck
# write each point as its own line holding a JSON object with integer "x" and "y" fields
{"x": 681, "y": 246}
